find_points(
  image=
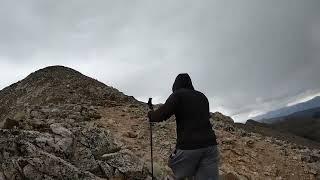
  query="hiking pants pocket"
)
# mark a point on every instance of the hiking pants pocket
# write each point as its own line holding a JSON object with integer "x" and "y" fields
{"x": 174, "y": 157}
{"x": 182, "y": 163}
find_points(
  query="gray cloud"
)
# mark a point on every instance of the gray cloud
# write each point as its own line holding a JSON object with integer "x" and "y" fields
{"x": 247, "y": 56}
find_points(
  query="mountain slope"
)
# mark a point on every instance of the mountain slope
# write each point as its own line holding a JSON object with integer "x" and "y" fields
{"x": 49, "y": 130}
{"x": 311, "y": 104}
{"x": 278, "y": 132}
{"x": 57, "y": 85}
{"x": 60, "y": 124}
{"x": 304, "y": 124}
{"x": 309, "y": 113}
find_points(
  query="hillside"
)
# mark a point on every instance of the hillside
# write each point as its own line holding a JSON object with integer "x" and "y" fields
{"x": 59, "y": 124}
{"x": 310, "y": 114}
{"x": 270, "y": 116}
{"x": 57, "y": 85}
{"x": 304, "y": 124}
{"x": 279, "y": 132}
{"x": 49, "y": 129}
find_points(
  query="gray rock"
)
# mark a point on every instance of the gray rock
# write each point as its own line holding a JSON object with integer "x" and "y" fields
{"x": 31, "y": 173}
{"x": 229, "y": 141}
{"x": 9, "y": 170}
{"x": 250, "y": 143}
{"x": 109, "y": 156}
{"x": 97, "y": 140}
{"x": 39, "y": 155}
{"x": 128, "y": 164}
{"x": 106, "y": 168}
{"x": 83, "y": 158}
{"x": 2, "y": 176}
{"x": 57, "y": 128}
{"x": 131, "y": 134}
{"x": 63, "y": 144}
{"x": 51, "y": 165}
{"x": 10, "y": 124}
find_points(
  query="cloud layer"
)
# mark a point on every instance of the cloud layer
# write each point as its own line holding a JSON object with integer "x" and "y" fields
{"x": 247, "y": 56}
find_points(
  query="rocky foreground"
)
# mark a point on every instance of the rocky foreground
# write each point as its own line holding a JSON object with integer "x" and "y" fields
{"x": 60, "y": 124}
{"x": 244, "y": 155}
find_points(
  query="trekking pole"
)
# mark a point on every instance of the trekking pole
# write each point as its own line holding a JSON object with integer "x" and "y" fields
{"x": 151, "y": 108}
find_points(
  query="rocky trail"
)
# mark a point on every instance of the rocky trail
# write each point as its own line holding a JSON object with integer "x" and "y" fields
{"x": 59, "y": 124}
{"x": 244, "y": 155}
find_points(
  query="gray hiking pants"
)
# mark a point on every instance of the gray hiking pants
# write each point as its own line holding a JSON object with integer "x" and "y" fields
{"x": 202, "y": 164}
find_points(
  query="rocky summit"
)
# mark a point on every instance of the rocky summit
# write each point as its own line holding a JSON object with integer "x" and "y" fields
{"x": 60, "y": 124}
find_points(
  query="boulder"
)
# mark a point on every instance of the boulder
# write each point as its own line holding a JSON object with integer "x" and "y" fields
{"x": 57, "y": 128}
{"x": 107, "y": 170}
{"x": 130, "y": 134}
{"x": 98, "y": 140}
{"x": 10, "y": 124}
{"x": 127, "y": 163}
{"x": 217, "y": 116}
{"x": 58, "y": 155}
{"x": 250, "y": 143}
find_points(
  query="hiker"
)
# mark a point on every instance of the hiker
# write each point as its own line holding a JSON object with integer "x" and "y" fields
{"x": 196, "y": 153}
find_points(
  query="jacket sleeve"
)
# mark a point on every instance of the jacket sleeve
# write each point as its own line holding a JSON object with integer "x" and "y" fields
{"x": 165, "y": 111}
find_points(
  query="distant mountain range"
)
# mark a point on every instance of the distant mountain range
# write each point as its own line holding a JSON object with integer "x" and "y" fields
{"x": 274, "y": 115}
{"x": 301, "y": 119}
{"x": 304, "y": 123}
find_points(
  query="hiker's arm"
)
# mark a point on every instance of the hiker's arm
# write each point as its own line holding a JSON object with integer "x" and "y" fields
{"x": 165, "y": 111}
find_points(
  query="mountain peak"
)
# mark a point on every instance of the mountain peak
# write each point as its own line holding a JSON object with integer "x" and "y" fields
{"x": 59, "y": 85}
{"x": 56, "y": 68}
{"x": 55, "y": 72}
{"x": 316, "y": 98}
{"x": 285, "y": 111}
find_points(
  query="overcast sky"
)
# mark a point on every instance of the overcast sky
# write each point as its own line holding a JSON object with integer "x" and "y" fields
{"x": 247, "y": 56}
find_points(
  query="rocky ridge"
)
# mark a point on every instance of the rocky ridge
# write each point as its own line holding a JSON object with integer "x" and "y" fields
{"x": 60, "y": 124}
{"x": 49, "y": 130}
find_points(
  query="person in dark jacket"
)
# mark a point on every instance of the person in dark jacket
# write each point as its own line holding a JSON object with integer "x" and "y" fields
{"x": 196, "y": 154}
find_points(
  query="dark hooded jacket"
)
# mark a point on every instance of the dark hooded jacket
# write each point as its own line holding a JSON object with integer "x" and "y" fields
{"x": 191, "y": 109}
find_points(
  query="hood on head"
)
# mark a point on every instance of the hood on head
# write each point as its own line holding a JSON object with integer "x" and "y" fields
{"x": 182, "y": 81}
